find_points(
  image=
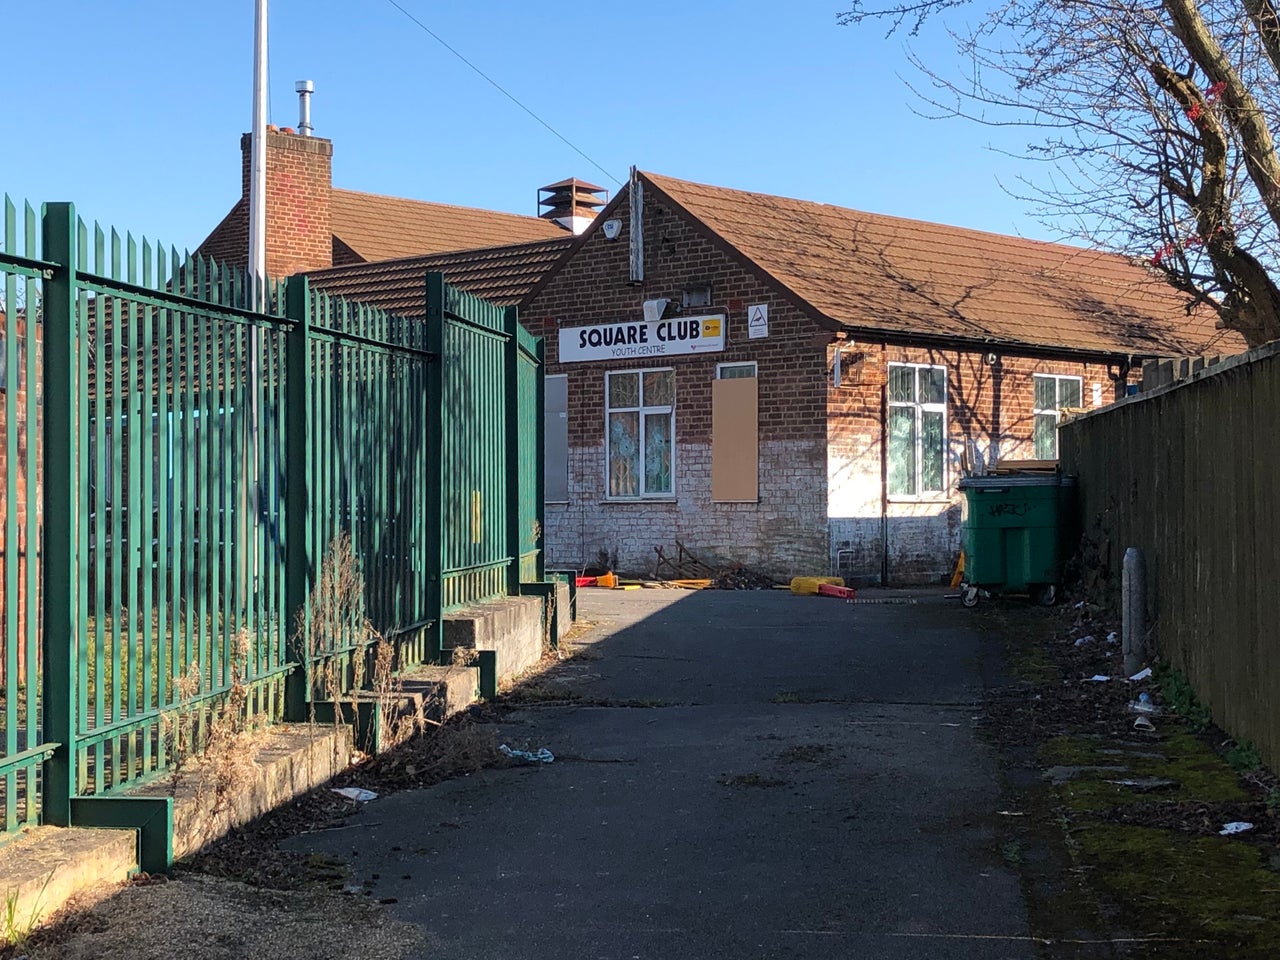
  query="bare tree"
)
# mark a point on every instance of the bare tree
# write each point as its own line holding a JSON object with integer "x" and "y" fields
{"x": 1157, "y": 119}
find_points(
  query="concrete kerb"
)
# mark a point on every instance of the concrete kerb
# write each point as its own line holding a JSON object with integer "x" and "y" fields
{"x": 510, "y": 627}
{"x": 45, "y": 867}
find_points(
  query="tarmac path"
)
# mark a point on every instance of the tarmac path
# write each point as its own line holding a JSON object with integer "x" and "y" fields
{"x": 741, "y": 774}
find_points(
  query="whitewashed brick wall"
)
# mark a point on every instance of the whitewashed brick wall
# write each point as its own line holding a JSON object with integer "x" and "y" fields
{"x": 783, "y": 535}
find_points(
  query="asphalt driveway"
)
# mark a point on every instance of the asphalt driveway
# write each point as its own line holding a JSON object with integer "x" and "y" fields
{"x": 737, "y": 774}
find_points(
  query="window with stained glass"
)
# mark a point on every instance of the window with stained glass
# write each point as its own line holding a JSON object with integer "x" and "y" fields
{"x": 640, "y": 433}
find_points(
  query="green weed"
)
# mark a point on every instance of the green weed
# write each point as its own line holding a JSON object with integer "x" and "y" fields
{"x": 1178, "y": 693}
{"x": 1243, "y": 757}
{"x": 15, "y": 926}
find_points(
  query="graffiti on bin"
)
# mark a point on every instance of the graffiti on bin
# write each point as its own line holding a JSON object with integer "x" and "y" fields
{"x": 1009, "y": 509}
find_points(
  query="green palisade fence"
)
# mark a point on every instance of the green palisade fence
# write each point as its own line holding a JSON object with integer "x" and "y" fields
{"x": 193, "y": 452}
{"x": 24, "y": 750}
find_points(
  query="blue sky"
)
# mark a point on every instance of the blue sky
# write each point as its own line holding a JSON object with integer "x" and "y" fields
{"x": 134, "y": 109}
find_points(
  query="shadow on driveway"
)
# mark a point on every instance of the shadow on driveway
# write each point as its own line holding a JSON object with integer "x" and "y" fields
{"x": 738, "y": 774}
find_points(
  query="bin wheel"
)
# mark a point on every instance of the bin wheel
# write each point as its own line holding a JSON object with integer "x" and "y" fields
{"x": 1047, "y": 595}
{"x": 969, "y": 596}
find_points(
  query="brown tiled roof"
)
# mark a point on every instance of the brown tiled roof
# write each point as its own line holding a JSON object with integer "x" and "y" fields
{"x": 502, "y": 275}
{"x": 384, "y": 228}
{"x": 894, "y": 276}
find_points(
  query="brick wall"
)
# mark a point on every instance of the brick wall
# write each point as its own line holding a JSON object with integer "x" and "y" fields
{"x": 991, "y": 404}
{"x": 785, "y": 531}
{"x": 299, "y": 232}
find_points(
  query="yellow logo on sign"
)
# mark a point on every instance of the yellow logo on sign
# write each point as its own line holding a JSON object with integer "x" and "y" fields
{"x": 711, "y": 327}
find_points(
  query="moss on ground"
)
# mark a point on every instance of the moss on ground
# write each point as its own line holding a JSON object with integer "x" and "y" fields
{"x": 1209, "y": 896}
{"x": 1156, "y": 883}
{"x": 1180, "y": 756}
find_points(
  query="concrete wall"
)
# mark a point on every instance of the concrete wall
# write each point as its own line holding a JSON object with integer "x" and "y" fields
{"x": 1187, "y": 474}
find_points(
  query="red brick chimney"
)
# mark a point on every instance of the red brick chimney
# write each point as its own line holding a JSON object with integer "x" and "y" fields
{"x": 299, "y": 225}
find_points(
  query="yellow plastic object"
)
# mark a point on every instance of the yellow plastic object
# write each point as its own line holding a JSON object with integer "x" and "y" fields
{"x": 808, "y": 586}
{"x": 607, "y": 580}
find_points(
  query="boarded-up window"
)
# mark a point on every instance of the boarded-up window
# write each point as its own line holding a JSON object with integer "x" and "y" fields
{"x": 556, "y": 455}
{"x": 735, "y": 435}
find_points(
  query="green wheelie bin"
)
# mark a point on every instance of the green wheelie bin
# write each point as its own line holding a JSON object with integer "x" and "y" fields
{"x": 1013, "y": 533}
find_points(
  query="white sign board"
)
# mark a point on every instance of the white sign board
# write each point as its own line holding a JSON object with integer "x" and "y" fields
{"x": 642, "y": 338}
{"x": 758, "y": 320}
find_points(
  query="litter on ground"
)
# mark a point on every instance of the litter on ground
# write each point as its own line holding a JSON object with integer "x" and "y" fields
{"x": 1235, "y": 826}
{"x": 541, "y": 755}
{"x": 359, "y": 794}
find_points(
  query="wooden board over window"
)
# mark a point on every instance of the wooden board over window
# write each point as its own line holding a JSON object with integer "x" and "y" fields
{"x": 735, "y": 440}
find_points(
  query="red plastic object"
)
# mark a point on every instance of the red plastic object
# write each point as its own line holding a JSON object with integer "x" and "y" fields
{"x": 831, "y": 590}
{"x": 586, "y": 581}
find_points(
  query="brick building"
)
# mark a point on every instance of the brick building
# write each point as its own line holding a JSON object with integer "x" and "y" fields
{"x": 311, "y": 224}
{"x": 795, "y": 386}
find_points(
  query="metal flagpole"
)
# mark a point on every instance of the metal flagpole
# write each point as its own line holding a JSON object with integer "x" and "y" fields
{"x": 250, "y": 470}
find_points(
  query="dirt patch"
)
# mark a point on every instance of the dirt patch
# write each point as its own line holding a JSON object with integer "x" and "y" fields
{"x": 750, "y": 781}
{"x": 252, "y": 854}
{"x": 206, "y": 918}
{"x": 819, "y": 754}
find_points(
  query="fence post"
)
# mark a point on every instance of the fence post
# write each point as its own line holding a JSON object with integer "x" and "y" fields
{"x": 299, "y": 550}
{"x": 433, "y": 495}
{"x": 539, "y": 464}
{"x": 61, "y": 572}
{"x": 511, "y": 444}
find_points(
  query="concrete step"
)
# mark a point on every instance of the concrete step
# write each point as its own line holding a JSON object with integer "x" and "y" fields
{"x": 44, "y": 867}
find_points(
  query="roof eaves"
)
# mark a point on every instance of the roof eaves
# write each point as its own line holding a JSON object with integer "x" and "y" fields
{"x": 1005, "y": 345}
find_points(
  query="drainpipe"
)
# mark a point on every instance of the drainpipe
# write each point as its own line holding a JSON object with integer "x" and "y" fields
{"x": 884, "y": 472}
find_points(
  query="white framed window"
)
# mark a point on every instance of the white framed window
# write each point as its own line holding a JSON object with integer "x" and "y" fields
{"x": 1052, "y": 393}
{"x": 917, "y": 430}
{"x": 735, "y": 371}
{"x": 640, "y": 433}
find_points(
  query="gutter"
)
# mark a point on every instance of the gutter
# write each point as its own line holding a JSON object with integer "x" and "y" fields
{"x": 1010, "y": 347}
